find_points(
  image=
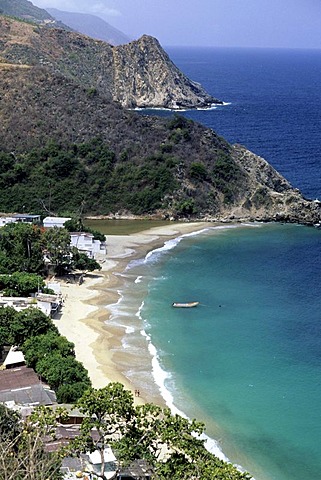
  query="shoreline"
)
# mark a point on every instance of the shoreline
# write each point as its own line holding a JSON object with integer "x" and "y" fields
{"x": 88, "y": 307}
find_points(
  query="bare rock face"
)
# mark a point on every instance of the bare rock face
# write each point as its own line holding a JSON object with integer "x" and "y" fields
{"x": 268, "y": 196}
{"x": 138, "y": 74}
{"x": 144, "y": 76}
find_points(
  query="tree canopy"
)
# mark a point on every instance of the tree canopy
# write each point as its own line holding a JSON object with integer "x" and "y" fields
{"x": 21, "y": 284}
{"x": 171, "y": 444}
{"x": 16, "y": 327}
{"x": 22, "y": 450}
{"x": 26, "y": 248}
{"x": 53, "y": 357}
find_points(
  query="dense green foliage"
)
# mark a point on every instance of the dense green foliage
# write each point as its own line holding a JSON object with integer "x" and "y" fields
{"x": 23, "y": 248}
{"x": 22, "y": 284}
{"x": 17, "y": 327}
{"x": 145, "y": 432}
{"x": 53, "y": 357}
{"x": 90, "y": 175}
{"x": 100, "y": 181}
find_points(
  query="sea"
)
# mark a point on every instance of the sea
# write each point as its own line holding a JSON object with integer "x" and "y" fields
{"x": 247, "y": 360}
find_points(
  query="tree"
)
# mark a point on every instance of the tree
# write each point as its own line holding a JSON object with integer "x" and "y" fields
{"x": 28, "y": 323}
{"x": 37, "y": 347}
{"x": 109, "y": 411}
{"x": 21, "y": 249}
{"x": 146, "y": 432}
{"x": 21, "y": 284}
{"x": 60, "y": 371}
{"x": 7, "y": 318}
{"x": 81, "y": 261}
{"x": 57, "y": 245}
{"x": 9, "y": 423}
{"x": 23, "y": 455}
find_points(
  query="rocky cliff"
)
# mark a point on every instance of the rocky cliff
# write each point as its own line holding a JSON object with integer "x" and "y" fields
{"x": 138, "y": 74}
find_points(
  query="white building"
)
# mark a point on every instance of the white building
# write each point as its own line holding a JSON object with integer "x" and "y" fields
{"x": 85, "y": 243}
{"x": 47, "y": 304}
{"x": 50, "y": 222}
{"x": 5, "y": 220}
{"x": 19, "y": 218}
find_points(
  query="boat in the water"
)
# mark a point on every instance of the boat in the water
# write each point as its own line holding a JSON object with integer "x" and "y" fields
{"x": 185, "y": 305}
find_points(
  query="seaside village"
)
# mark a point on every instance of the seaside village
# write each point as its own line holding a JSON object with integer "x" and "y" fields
{"x": 22, "y": 389}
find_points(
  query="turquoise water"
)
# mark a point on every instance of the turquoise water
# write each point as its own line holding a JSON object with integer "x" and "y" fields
{"x": 247, "y": 359}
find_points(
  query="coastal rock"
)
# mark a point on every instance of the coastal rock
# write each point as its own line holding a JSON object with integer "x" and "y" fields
{"x": 138, "y": 74}
{"x": 145, "y": 76}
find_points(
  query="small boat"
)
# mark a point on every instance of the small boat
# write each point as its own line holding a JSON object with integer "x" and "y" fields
{"x": 185, "y": 305}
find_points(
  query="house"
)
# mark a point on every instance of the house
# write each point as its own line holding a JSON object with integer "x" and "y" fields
{"x": 21, "y": 386}
{"x": 15, "y": 358}
{"x": 47, "y": 304}
{"x": 137, "y": 470}
{"x": 85, "y": 243}
{"x": 24, "y": 218}
{"x": 5, "y": 220}
{"x": 94, "y": 463}
{"x": 20, "y": 218}
{"x": 51, "y": 222}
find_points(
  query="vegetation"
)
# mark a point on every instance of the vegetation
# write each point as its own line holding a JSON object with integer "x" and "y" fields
{"x": 146, "y": 432}
{"x": 22, "y": 449}
{"x": 107, "y": 160}
{"x": 17, "y": 327}
{"x": 22, "y": 284}
{"x": 23, "y": 248}
{"x": 143, "y": 432}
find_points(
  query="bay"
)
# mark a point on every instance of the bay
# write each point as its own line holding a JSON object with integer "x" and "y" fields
{"x": 247, "y": 360}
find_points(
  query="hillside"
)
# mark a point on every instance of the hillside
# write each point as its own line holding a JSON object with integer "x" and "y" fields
{"x": 91, "y": 25}
{"x": 26, "y": 10}
{"x": 138, "y": 74}
{"x": 66, "y": 148}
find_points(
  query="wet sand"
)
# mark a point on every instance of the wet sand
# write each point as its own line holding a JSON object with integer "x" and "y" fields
{"x": 84, "y": 318}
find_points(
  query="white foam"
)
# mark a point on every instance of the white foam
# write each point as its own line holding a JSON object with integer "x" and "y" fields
{"x": 161, "y": 377}
{"x": 138, "y": 279}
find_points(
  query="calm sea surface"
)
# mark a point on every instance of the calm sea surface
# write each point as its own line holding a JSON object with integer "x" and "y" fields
{"x": 247, "y": 360}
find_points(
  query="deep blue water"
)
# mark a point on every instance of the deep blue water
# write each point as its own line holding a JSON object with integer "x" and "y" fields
{"x": 247, "y": 361}
{"x": 274, "y": 106}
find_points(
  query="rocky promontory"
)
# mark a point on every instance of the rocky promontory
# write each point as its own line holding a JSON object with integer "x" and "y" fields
{"x": 137, "y": 74}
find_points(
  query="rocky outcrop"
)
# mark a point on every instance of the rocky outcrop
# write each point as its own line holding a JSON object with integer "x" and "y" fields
{"x": 145, "y": 76}
{"x": 138, "y": 74}
{"x": 269, "y": 196}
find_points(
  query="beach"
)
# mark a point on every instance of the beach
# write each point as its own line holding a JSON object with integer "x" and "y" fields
{"x": 85, "y": 312}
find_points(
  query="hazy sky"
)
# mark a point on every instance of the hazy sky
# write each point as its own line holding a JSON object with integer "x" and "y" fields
{"x": 243, "y": 23}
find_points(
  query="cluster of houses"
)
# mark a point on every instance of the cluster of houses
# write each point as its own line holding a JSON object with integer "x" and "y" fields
{"x": 22, "y": 390}
{"x": 84, "y": 241}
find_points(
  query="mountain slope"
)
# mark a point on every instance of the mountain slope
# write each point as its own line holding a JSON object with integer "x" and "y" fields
{"x": 64, "y": 142}
{"x": 26, "y": 10}
{"x": 139, "y": 74}
{"x": 91, "y": 25}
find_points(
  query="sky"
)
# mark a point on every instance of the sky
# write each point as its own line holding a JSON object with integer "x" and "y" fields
{"x": 219, "y": 23}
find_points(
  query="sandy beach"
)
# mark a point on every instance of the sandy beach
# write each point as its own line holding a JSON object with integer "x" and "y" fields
{"x": 85, "y": 313}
